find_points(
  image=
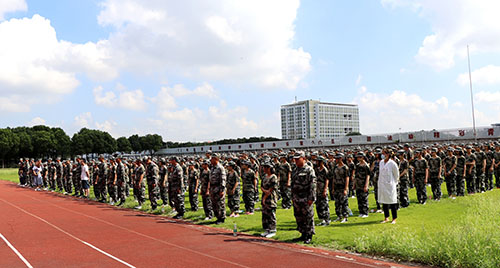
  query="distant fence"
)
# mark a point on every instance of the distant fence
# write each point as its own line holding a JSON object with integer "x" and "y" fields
{"x": 423, "y": 136}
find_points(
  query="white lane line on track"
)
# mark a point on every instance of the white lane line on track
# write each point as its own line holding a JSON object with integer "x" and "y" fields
{"x": 15, "y": 251}
{"x": 143, "y": 235}
{"x": 70, "y": 235}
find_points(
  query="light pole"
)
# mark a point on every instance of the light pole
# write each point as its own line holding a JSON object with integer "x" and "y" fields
{"x": 471, "y": 96}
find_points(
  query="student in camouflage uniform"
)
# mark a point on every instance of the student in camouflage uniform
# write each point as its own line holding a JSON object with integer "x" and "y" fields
{"x": 404, "y": 180}
{"x": 303, "y": 196}
{"x": 269, "y": 185}
{"x": 100, "y": 181}
{"x": 490, "y": 168}
{"x": 352, "y": 166}
{"x": 249, "y": 180}
{"x": 341, "y": 188}
{"x": 450, "y": 173}
{"x": 163, "y": 182}
{"x": 176, "y": 187}
{"x": 111, "y": 181}
{"x": 68, "y": 177}
{"x": 435, "y": 168}
{"x": 193, "y": 181}
{"x": 152, "y": 176}
{"x": 497, "y": 165}
{"x": 470, "y": 170}
{"x": 420, "y": 176}
{"x": 51, "y": 175}
{"x": 204, "y": 189}
{"x": 460, "y": 178}
{"x": 233, "y": 189}
{"x": 285, "y": 172}
{"x": 121, "y": 180}
{"x": 254, "y": 165}
{"x": 374, "y": 177}
{"x": 361, "y": 184}
{"x": 59, "y": 175}
{"x": 480, "y": 170}
{"x": 322, "y": 207}
{"x": 139, "y": 183}
{"x": 218, "y": 189}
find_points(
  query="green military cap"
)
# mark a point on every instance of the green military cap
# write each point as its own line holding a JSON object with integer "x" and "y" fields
{"x": 299, "y": 154}
{"x": 339, "y": 155}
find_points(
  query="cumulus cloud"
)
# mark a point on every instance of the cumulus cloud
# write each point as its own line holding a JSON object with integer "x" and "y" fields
{"x": 107, "y": 126}
{"x": 204, "y": 90}
{"x": 488, "y": 97}
{"x": 131, "y": 100}
{"x": 8, "y": 6}
{"x": 36, "y": 121}
{"x": 488, "y": 75}
{"x": 84, "y": 120}
{"x": 455, "y": 24}
{"x": 238, "y": 41}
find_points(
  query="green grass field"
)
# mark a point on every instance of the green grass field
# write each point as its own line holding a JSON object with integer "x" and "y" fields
{"x": 450, "y": 233}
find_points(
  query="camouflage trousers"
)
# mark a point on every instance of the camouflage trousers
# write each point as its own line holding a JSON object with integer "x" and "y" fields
{"x": 140, "y": 193}
{"x": 435, "y": 181}
{"x": 341, "y": 202}
{"x": 404, "y": 199}
{"x": 480, "y": 182}
{"x": 100, "y": 190}
{"x": 322, "y": 207}
{"x": 451, "y": 184}
{"x": 249, "y": 200}
{"x": 207, "y": 205}
{"x": 233, "y": 201}
{"x": 497, "y": 177}
{"x": 286, "y": 195}
{"x": 460, "y": 184}
{"x": 68, "y": 185}
{"x": 219, "y": 205}
{"x": 421, "y": 188}
{"x": 153, "y": 193}
{"x": 471, "y": 183}
{"x": 52, "y": 182}
{"x": 121, "y": 190}
{"x": 59, "y": 183}
{"x": 193, "y": 196}
{"x": 112, "y": 191}
{"x": 304, "y": 216}
{"x": 362, "y": 197}
{"x": 488, "y": 181}
{"x": 77, "y": 183}
{"x": 176, "y": 196}
{"x": 269, "y": 218}
{"x": 375, "y": 191}
{"x": 164, "y": 193}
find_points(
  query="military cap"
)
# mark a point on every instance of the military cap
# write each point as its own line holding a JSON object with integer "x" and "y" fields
{"x": 349, "y": 156}
{"x": 299, "y": 154}
{"x": 50, "y": 159}
{"x": 216, "y": 155}
{"x": 339, "y": 155}
{"x": 451, "y": 149}
{"x": 378, "y": 151}
{"x": 360, "y": 154}
{"x": 232, "y": 164}
{"x": 434, "y": 150}
{"x": 101, "y": 156}
{"x": 468, "y": 147}
{"x": 266, "y": 164}
{"x": 175, "y": 158}
{"x": 321, "y": 158}
{"x": 401, "y": 151}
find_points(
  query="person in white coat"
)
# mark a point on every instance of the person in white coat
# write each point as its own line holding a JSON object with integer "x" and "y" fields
{"x": 387, "y": 185}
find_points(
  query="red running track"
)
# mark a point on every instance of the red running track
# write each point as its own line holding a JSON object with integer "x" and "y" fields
{"x": 50, "y": 230}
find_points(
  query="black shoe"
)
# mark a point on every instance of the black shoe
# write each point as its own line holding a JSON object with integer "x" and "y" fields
{"x": 178, "y": 216}
{"x": 218, "y": 222}
{"x": 308, "y": 239}
{"x": 121, "y": 203}
{"x": 153, "y": 207}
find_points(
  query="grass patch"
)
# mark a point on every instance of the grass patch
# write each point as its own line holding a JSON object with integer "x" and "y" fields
{"x": 449, "y": 233}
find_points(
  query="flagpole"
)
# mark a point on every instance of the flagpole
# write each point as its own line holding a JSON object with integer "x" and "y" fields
{"x": 471, "y": 96}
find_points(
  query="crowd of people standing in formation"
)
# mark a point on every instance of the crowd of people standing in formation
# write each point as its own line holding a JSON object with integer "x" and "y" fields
{"x": 300, "y": 179}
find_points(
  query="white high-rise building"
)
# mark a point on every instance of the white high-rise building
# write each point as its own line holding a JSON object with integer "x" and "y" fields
{"x": 313, "y": 119}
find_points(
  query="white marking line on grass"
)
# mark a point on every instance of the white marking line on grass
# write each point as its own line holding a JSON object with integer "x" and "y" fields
{"x": 15, "y": 251}
{"x": 70, "y": 235}
{"x": 143, "y": 235}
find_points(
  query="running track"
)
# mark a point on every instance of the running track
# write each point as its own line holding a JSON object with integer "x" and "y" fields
{"x": 50, "y": 230}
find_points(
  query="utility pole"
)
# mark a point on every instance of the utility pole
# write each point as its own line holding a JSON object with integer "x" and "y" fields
{"x": 471, "y": 97}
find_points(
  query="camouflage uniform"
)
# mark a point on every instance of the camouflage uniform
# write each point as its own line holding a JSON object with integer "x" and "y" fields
{"x": 121, "y": 181}
{"x": 111, "y": 182}
{"x": 435, "y": 176}
{"x": 361, "y": 173}
{"x": 77, "y": 173}
{"x": 205, "y": 197}
{"x": 101, "y": 193}
{"x": 470, "y": 173}
{"x": 404, "y": 184}
{"x": 339, "y": 182}
{"x": 420, "y": 167}
{"x": 217, "y": 188}
{"x": 248, "y": 178}
{"x": 283, "y": 171}
{"x": 460, "y": 179}
{"x": 233, "y": 199}
{"x": 193, "y": 181}
{"x": 497, "y": 169}
{"x": 374, "y": 179}
{"x": 270, "y": 203}
{"x": 322, "y": 207}
{"x": 163, "y": 183}
{"x": 480, "y": 172}
{"x": 303, "y": 192}
{"x": 140, "y": 185}
{"x": 489, "y": 172}
{"x": 68, "y": 174}
{"x": 176, "y": 189}
{"x": 52, "y": 176}
{"x": 450, "y": 175}
{"x": 152, "y": 176}
{"x": 59, "y": 175}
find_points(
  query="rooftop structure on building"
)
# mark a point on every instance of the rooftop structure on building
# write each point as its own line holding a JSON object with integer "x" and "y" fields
{"x": 313, "y": 119}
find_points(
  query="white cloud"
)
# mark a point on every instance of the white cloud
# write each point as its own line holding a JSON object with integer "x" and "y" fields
{"x": 107, "y": 126}
{"x": 488, "y": 97}
{"x": 131, "y": 100}
{"x": 204, "y": 90}
{"x": 37, "y": 121}
{"x": 233, "y": 41}
{"x": 455, "y": 24}
{"x": 11, "y": 6}
{"x": 83, "y": 120}
{"x": 488, "y": 75}
{"x": 358, "y": 80}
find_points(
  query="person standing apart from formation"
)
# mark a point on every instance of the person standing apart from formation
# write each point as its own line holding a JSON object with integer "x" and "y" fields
{"x": 387, "y": 185}
{"x": 85, "y": 178}
{"x": 37, "y": 174}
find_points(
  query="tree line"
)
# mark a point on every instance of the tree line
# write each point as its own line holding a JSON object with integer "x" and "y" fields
{"x": 51, "y": 142}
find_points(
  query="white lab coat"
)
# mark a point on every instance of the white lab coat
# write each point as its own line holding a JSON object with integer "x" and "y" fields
{"x": 387, "y": 182}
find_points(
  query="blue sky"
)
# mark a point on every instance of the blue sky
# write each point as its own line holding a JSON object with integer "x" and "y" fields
{"x": 207, "y": 70}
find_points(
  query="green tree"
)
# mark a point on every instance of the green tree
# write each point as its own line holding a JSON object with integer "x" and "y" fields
{"x": 25, "y": 144}
{"x": 82, "y": 142}
{"x": 135, "y": 143}
{"x": 43, "y": 143}
{"x": 123, "y": 145}
{"x": 62, "y": 142}
{"x": 6, "y": 144}
{"x": 151, "y": 142}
